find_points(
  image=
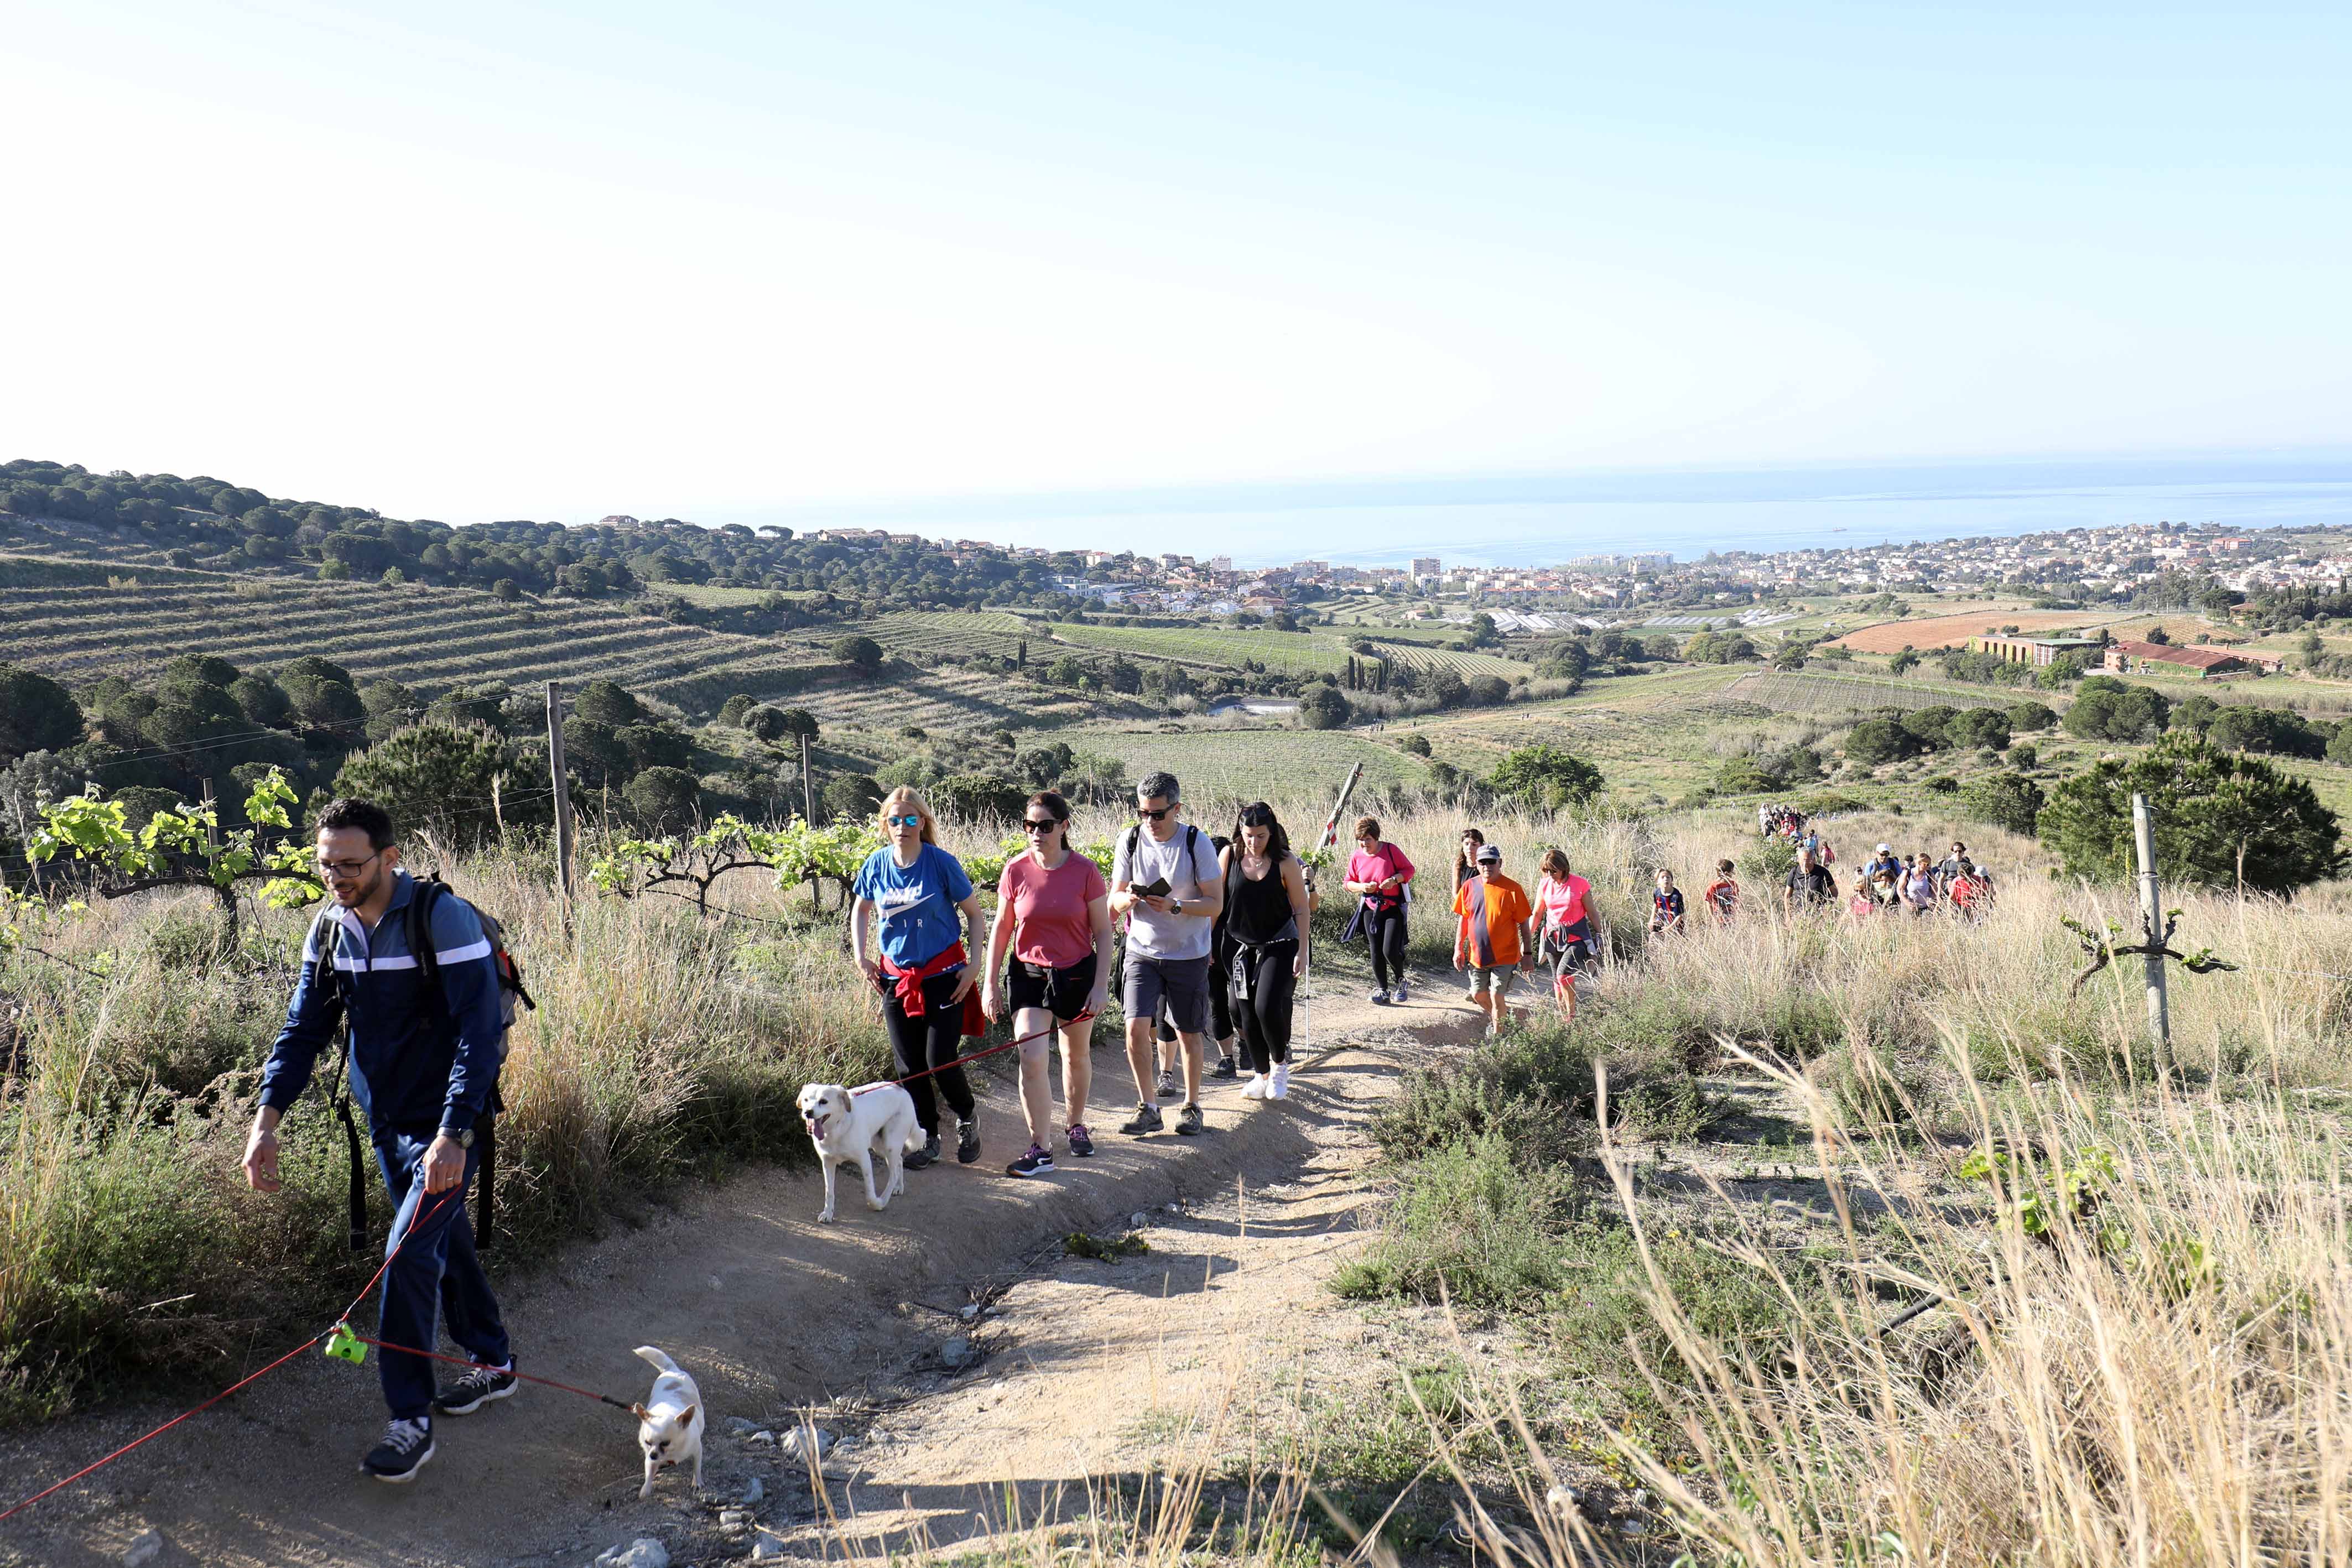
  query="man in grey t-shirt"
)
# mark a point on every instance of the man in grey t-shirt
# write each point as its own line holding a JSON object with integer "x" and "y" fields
{"x": 1164, "y": 879}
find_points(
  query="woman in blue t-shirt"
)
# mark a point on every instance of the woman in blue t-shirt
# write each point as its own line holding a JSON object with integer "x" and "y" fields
{"x": 929, "y": 923}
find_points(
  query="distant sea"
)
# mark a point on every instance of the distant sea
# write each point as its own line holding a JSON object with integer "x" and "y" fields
{"x": 1537, "y": 520}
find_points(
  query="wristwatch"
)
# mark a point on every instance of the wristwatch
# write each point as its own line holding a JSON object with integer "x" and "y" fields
{"x": 464, "y": 1140}
{"x": 1175, "y": 906}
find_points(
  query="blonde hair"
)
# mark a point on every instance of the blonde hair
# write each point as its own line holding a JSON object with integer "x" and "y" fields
{"x": 905, "y": 799}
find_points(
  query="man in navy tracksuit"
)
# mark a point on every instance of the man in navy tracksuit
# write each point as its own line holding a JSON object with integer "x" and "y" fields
{"x": 422, "y": 1070}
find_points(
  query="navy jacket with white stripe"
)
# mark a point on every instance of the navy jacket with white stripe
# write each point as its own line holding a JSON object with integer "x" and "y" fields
{"x": 411, "y": 1072}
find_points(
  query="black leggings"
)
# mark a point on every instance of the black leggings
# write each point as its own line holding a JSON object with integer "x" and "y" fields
{"x": 1263, "y": 986}
{"x": 926, "y": 1041}
{"x": 1384, "y": 926}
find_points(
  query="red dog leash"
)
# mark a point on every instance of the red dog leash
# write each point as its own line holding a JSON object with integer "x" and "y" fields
{"x": 975, "y": 1056}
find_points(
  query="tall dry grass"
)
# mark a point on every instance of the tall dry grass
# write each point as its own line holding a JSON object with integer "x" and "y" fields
{"x": 664, "y": 1047}
{"x": 2161, "y": 1380}
{"x": 2136, "y": 1346}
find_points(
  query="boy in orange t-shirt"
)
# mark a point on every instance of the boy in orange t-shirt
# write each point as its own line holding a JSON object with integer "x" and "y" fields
{"x": 1493, "y": 935}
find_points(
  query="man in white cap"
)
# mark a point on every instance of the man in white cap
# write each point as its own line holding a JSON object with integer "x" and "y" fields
{"x": 1884, "y": 859}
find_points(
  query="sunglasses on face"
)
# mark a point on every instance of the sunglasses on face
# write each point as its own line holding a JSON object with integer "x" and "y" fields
{"x": 910, "y": 820}
{"x": 1042, "y": 824}
{"x": 1151, "y": 816}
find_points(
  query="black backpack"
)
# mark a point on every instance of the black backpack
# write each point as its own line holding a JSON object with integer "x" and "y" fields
{"x": 416, "y": 926}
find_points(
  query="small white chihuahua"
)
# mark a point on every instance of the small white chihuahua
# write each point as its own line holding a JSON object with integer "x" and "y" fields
{"x": 669, "y": 1424}
{"x": 849, "y": 1127}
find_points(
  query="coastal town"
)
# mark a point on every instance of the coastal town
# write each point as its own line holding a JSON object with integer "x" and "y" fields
{"x": 2077, "y": 566}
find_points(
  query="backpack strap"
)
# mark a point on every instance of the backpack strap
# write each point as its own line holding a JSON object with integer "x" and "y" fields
{"x": 418, "y": 928}
{"x": 326, "y": 936}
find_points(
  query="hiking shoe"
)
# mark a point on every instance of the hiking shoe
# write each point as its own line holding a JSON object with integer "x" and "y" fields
{"x": 928, "y": 1154}
{"x": 1380, "y": 997}
{"x": 1226, "y": 1067}
{"x": 1404, "y": 993}
{"x": 1144, "y": 1120}
{"x": 1188, "y": 1122}
{"x": 475, "y": 1389}
{"x": 1082, "y": 1143}
{"x": 967, "y": 1140}
{"x": 1171, "y": 1085}
{"x": 1037, "y": 1162}
{"x": 406, "y": 1446}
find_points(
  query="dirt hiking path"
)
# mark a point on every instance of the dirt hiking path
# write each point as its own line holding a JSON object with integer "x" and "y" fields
{"x": 1067, "y": 1368}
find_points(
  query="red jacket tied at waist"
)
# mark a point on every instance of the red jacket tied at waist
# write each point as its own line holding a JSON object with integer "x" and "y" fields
{"x": 910, "y": 987}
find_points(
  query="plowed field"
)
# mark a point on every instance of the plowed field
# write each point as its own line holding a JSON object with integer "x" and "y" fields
{"x": 1954, "y": 631}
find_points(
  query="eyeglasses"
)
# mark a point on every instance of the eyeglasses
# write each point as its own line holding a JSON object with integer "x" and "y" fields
{"x": 344, "y": 870}
{"x": 1151, "y": 816}
{"x": 1041, "y": 825}
{"x": 909, "y": 820}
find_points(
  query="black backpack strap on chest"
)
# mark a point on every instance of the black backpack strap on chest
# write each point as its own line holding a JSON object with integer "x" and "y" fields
{"x": 327, "y": 936}
{"x": 430, "y": 890}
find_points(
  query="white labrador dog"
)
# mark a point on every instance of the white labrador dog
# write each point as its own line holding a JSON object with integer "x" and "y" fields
{"x": 847, "y": 1126}
{"x": 670, "y": 1423}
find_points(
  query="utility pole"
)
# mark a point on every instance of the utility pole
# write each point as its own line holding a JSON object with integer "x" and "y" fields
{"x": 212, "y": 824}
{"x": 808, "y": 784}
{"x": 2151, "y": 919}
{"x": 562, "y": 796}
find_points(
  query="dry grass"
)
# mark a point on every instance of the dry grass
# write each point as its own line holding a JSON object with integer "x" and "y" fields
{"x": 663, "y": 1048}
{"x": 2138, "y": 1342}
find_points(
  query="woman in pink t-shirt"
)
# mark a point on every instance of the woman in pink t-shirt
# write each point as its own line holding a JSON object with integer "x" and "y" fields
{"x": 1380, "y": 873}
{"x": 1564, "y": 927}
{"x": 1052, "y": 913}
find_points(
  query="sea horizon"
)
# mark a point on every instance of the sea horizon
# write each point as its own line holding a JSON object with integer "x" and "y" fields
{"x": 1537, "y": 520}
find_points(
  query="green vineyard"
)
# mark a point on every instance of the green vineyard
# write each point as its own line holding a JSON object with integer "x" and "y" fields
{"x": 426, "y": 637}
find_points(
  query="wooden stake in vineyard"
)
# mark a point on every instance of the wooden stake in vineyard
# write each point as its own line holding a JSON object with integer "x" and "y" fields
{"x": 564, "y": 830}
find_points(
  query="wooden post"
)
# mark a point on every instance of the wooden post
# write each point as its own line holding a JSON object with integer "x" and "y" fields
{"x": 808, "y": 785}
{"x": 1330, "y": 834}
{"x": 562, "y": 796}
{"x": 2151, "y": 919}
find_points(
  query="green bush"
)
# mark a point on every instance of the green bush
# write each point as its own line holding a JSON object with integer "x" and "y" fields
{"x": 1874, "y": 741}
{"x": 2008, "y": 800}
{"x": 1471, "y": 1222}
{"x": 2217, "y": 812}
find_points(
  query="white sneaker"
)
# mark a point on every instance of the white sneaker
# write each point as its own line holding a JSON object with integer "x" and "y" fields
{"x": 1280, "y": 1088}
{"x": 1256, "y": 1087}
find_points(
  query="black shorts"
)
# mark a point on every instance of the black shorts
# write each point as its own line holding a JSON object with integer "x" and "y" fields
{"x": 1569, "y": 946}
{"x": 1062, "y": 992}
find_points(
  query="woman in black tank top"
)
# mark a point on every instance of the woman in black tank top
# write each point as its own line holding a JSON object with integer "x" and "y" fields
{"x": 1266, "y": 935}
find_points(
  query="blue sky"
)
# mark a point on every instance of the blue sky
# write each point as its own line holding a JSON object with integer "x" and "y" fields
{"x": 485, "y": 260}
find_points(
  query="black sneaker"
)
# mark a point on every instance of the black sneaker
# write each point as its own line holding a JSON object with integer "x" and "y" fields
{"x": 1171, "y": 1085}
{"x": 1037, "y": 1162}
{"x": 1082, "y": 1143}
{"x": 1144, "y": 1120}
{"x": 928, "y": 1154}
{"x": 473, "y": 1390}
{"x": 966, "y": 1141}
{"x": 1226, "y": 1067}
{"x": 1188, "y": 1122}
{"x": 406, "y": 1446}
